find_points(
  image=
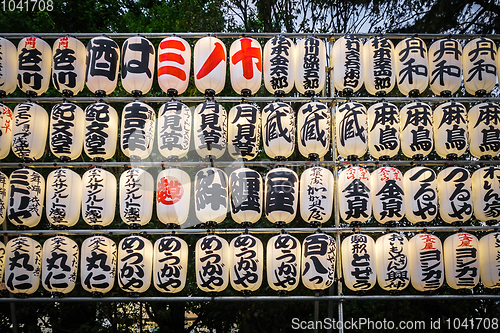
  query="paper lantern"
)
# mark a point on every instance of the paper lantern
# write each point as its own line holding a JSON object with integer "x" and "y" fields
{"x": 138, "y": 130}
{"x": 318, "y": 261}
{"x": 67, "y": 127}
{"x": 283, "y": 262}
{"x": 6, "y": 122}
{"x": 354, "y": 195}
{"x": 101, "y": 131}
{"x": 34, "y": 64}
{"x": 68, "y": 66}
{"x": 383, "y": 130}
{"x": 98, "y": 264}
{"x": 486, "y": 194}
{"x": 135, "y": 264}
{"x": 243, "y": 132}
{"x": 316, "y": 195}
{"x": 103, "y": 62}
{"x": 379, "y": 66}
{"x": 282, "y": 195}
{"x": 3, "y": 252}
{"x": 64, "y": 193}
{"x": 426, "y": 262}
{"x": 29, "y": 133}
{"x": 174, "y": 63}
{"x": 358, "y": 262}
{"x": 347, "y": 63}
{"x": 461, "y": 261}
{"x": 416, "y": 130}
{"x": 211, "y": 196}
{"x": 174, "y": 129}
{"x": 484, "y": 130}
{"x": 170, "y": 264}
{"x": 450, "y": 129}
{"x": 212, "y": 263}
{"x": 209, "y": 65}
{"x": 279, "y": 66}
{"x": 4, "y": 197}
{"x": 421, "y": 199}
{"x": 8, "y": 67}
{"x": 387, "y": 194}
{"x": 351, "y": 124}
{"x": 98, "y": 197}
{"x": 59, "y": 264}
{"x": 310, "y": 64}
{"x": 245, "y": 188}
{"x": 246, "y": 263}
{"x": 489, "y": 260}
{"x": 393, "y": 268}
{"x": 445, "y": 66}
{"x": 245, "y": 66}
{"x": 23, "y": 265}
{"x": 454, "y": 186}
{"x": 173, "y": 194}
{"x": 480, "y": 68}
{"x": 137, "y": 189}
{"x": 27, "y": 190}
{"x": 209, "y": 121}
{"x": 278, "y": 130}
{"x": 138, "y": 65}
{"x": 313, "y": 126}
{"x": 411, "y": 66}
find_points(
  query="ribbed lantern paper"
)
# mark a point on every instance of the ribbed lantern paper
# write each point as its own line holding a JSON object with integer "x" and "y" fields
{"x": 450, "y": 129}
{"x": 386, "y": 185}
{"x": 484, "y": 130}
{"x": 416, "y": 130}
{"x": 445, "y": 66}
{"x": 486, "y": 194}
{"x": 101, "y": 131}
{"x": 210, "y": 129}
{"x": 347, "y": 63}
{"x": 479, "y": 65}
{"x": 209, "y": 65}
{"x": 170, "y": 264}
{"x": 393, "y": 267}
{"x": 98, "y": 197}
{"x": 174, "y": 129}
{"x": 282, "y": 195}
{"x": 4, "y": 197}
{"x": 6, "y": 124}
{"x": 351, "y": 127}
{"x": 461, "y": 260}
{"x": 354, "y": 195}
{"x": 278, "y": 130}
{"x": 421, "y": 197}
{"x": 135, "y": 264}
{"x": 359, "y": 262}
{"x": 318, "y": 261}
{"x": 138, "y": 129}
{"x": 23, "y": 262}
{"x": 279, "y": 65}
{"x": 8, "y": 67}
{"x": 64, "y": 193}
{"x": 69, "y": 58}
{"x": 211, "y": 195}
{"x": 283, "y": 253}
{"x": 246, "y": 263}
{"x": 412, "y": 66}
{"x": 313, "y": 129}
{"x": 245, "y": 64}
{"x": 489, "y": 260}
{"x": 66, "y": 132}
{"x": 310, "y": 63}
{"x": 138, "y": 65}
{"x": 243, "y": 131}
{"x": 98, "y": 264}
{"x": 212, "y": 261}
{"x": 174, "y": 64}
{"x": 247, "y": 195}
{"x": 136, "y": 192}
{"x": 379, "y": 66}
{"x": 34, "y": 64}
{"x": 426, "y": 262}
{"x": 103, "y": 63}
{"x": 383, "y": 130}
{"x": 59, "y": 264}
{"x": 316, "y": 195}
{"x": 454, "y": 187}
{"x": 29, "y": 133}
{"x": 27, "y": 190}
{"x": 173, "y": 195}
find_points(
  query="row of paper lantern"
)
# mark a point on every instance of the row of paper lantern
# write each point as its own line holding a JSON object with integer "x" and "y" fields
{"x": 382, "y": 129}
{"x": 418, "y": 195}
{"x": 377, "y": 64}
{"x": 392, "y": 260}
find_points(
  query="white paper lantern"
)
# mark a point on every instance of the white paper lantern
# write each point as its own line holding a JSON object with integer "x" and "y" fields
{"x": 135, "y": 264}
{"x": 461, "y": 261}
{"x": 489, "y": 260}
{"x": 426, "y": 262}
{"x": 103, "y": 62}
{"x": 484, "y": 130}
{"x": 421, "y": 199}
{"x": 445, "y": 66}
{"x": 138, "y": 130}
{"x": 283, "y": 253}
{"x": 245, "y": 66}
{"x": 412, "y": 66}
{"x": 8, "y": 67}
{"x": 59, "y": 264}
{"x": 209, "y": 121}
{"x": 351, "y": 127}
{"x": 3, "y": 252}
{"x": 4, "y": 197}
{"x": 173, "y": 194}
{"x": 318, "y": 261}
{"x": 212, "y": 263}
{"x": 359, "y": 262}
{"x": 243, "y": 132}
{"x": 101, "y": 131}
{"x": 387, "y": 194}
{"x": 450, "y": 129}
{"x": 170, "y": 264}
{"x": 211, "y": 195}
{"x": 486, "y": 194}
{"x": 416, "y": 130}
{"x": 454, "y": 186}
{"x": 379, "y": 66}
{"x": 98, "y": 264}
{"x": 282, "y": 195}
{"x": 67, "y": 128}
{"x": 246, "y": 263}
{"x": 310, "y": 65}
{"x": 480, "y": 67}
{"x": 314, "y": 126}
{"x": 174, "y": 129}
{"x": 174, "y": 64}
{"x": 23, "y": 265}
{"x": 6, "y": 124}
{"x": 136, "y": 196}
{"x": 347, "y": 63}
{"x": 393, "y": 268}
{"x": 279, "y": 65}
{"x": 68, "y": 66}
{"x": 354, "y": 195}
{"x": 246, "y": 190}
{"x": 316, "y": 195}
{"x": 383, "y": 130}
{"x": 64, "y": 193}
{"x": 209, "y": 65}
{"x": 34, "y": 64}
{"x": 29, "y": 133}
{"x": 278, "y": 130}
{"x": 98, "y": 197}
{"x": 138, "y": 65}
{"x": 27, "y": 190}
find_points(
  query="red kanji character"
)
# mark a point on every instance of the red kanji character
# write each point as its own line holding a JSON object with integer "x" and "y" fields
{"x": 429, "y": 241}
{"x": 246, "y": 56}
{"x": 170, "y": 191}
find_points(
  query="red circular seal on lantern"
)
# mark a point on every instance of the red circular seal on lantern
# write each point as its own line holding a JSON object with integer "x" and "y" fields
{"x": 170, "y": 190}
